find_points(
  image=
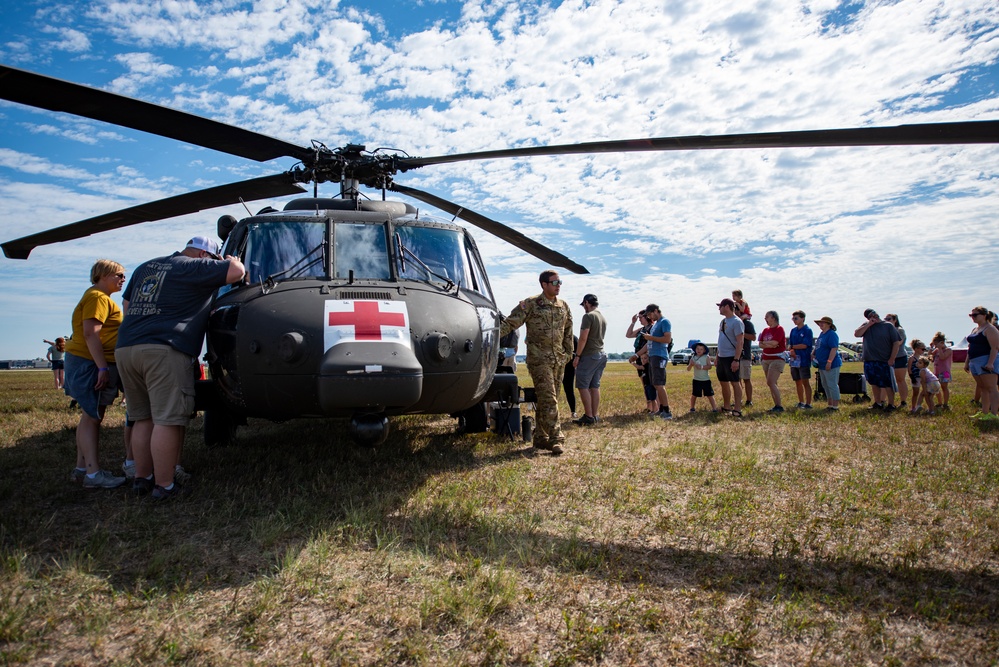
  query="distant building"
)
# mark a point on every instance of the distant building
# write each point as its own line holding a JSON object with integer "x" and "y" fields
{"x": 23, "y": 364}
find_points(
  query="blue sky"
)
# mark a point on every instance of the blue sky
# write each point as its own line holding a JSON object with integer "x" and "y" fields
{"x": 829, "y": 231}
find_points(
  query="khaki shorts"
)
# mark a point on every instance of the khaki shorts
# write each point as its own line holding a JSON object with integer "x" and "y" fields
{"x": 159, "y": 383}
{"x": 745, "y": 369}
{"x": 773, "y": 363}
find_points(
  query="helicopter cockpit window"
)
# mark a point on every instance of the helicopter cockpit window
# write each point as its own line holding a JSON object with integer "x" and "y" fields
{"x": 361, "y": 249}
{"x": 285, "y": 251}
{"x": 431, "y": 255}
{"x": 480, "y": 283}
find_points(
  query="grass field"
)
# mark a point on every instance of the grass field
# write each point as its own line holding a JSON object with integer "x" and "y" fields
{"x": 805, "y": 538}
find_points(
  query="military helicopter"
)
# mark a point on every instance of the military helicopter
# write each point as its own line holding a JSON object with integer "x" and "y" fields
{"x": 358, "y": 308}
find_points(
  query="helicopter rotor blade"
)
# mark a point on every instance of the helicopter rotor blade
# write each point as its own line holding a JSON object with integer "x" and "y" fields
{"x": 277, "y": 185}
{"x": 967, "y": 132}
{"x": 45, "y": 92}
{"x": 508, "y": 234}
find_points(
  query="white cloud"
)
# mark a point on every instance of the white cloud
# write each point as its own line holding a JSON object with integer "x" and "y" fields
{"x": 69, "y": 39}
{"x": 143, "y": 69}
{"x": 32, "y": 164}
{"x": 81, "y": 132}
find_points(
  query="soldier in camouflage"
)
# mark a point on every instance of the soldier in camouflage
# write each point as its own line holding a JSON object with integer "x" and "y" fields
{"x": 549, "y": 348}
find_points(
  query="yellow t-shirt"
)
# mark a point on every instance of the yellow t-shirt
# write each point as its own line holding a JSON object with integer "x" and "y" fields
{"x": 95, "y": 305}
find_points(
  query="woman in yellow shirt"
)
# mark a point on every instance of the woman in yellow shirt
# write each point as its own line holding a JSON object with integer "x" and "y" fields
{"x": 91, "y": 375}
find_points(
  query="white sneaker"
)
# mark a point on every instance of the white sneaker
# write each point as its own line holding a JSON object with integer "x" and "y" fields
{"x": 102, "y": 480}
{"x": 128, "y": 469}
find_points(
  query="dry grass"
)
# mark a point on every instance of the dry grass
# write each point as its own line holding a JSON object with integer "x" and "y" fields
{"x": 806, "y": 538}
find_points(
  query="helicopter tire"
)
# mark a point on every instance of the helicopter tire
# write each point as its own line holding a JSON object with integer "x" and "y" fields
{"x": 474, "y": 419}
{"x": 219, "y": 429}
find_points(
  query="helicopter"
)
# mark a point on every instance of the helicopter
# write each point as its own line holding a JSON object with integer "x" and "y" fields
{"x": 355, "y": 307}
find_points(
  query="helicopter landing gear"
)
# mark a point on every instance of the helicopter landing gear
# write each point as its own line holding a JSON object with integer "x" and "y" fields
{"x": 473, "y": 420}
{"x": 220, "y": 428}
{"x": 369, "y": 430}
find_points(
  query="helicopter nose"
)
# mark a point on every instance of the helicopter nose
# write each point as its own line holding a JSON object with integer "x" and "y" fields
{"x": 365, "y": 375}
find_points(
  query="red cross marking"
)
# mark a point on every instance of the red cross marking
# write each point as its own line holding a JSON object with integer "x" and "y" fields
{"x": 367, "y": 320}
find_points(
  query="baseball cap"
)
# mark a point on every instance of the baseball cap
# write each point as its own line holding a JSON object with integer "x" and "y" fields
{"x": 590, "y": 299}
{"x": 869, "y": 312}
{"x": 726, "y": 302}
{"x": 206, "y": 244}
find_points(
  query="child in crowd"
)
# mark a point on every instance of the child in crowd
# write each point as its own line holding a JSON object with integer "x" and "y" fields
{"x": 741, "y": 304}
{"x": 918, "y": 350}
{"x": 701, "y": 363}
{"x": 928, "y": 381}
{"x": 942, "y": 357}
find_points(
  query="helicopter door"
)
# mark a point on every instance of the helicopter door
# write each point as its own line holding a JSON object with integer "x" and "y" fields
{"x": 479, "y": 281}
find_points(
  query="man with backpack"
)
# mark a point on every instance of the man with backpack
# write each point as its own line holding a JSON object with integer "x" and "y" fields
{"x": 731, "y": 336}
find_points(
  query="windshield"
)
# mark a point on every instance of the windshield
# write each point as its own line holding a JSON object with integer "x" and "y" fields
{"x": 360, "y": 249}
{"x": 285, "y": 250}
{"x": 431, "y": 255}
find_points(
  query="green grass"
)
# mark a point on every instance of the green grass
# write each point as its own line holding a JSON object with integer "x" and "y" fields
{"x": 847, "y": 538}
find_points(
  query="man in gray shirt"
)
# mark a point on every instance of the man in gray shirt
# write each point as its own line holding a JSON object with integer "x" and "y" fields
{"x": 590, "y": 359}
{"x": 881, "y": 343}
{"x": 731, "y": 335}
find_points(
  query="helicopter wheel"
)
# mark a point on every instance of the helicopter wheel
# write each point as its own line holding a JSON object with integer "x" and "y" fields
{"x": 474, "y": 419}
{"x": 369, "y": 430}
{"x": 219, "y": 429}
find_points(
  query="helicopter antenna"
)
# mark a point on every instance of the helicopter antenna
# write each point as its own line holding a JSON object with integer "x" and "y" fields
{"x": 245, "y": 206}
{"x": 457, "y": 214}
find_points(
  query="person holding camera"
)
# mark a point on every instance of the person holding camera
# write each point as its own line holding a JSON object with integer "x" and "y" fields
{"x": 659, "y": 339}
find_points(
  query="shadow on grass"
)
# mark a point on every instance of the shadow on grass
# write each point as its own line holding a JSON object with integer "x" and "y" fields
{"x": 265, "y": 499}
{"x": 250, "y": 503}
{"x": 956, "y": 597}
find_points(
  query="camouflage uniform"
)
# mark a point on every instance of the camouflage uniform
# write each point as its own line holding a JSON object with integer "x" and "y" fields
{"x": 549, "y": 347}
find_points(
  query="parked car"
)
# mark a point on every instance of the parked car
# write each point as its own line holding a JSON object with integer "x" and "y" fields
{"x": 682, "y": 356}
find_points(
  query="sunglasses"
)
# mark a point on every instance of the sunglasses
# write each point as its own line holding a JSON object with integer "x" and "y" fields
{"x": 975, "y": 314}
{"x": 120, "y": 276}
{"x": 555, "y": 282}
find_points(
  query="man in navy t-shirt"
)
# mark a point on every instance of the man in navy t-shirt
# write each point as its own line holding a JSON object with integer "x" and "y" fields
{"x": 166, "y": 315}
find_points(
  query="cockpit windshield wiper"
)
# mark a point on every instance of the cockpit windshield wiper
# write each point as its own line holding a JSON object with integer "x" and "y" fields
{"x": 296, "y": 269}
{"x": 404, "y": 250}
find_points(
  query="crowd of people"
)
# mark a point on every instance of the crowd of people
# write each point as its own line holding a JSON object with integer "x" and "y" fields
{"x": 887, "y": 366}
{"x": 147, "y": 349}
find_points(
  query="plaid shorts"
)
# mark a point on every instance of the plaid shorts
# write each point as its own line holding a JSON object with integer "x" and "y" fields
{"x": 880, "y": 374}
